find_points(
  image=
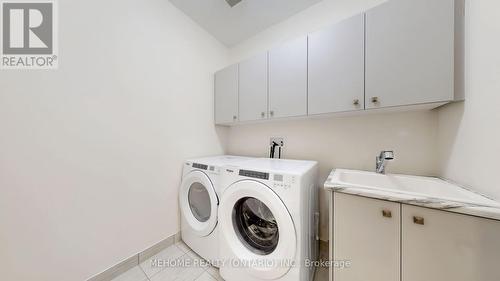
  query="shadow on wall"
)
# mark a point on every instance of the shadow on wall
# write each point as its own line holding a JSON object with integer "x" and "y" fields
{"x": 222, "y": 136}
{"x": 449, "y": 121}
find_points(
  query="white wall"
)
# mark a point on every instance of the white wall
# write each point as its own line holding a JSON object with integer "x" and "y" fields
{"x": 469, "y": 134}
{"x": 342, "y": 142}
{"x": 91, "y": 154}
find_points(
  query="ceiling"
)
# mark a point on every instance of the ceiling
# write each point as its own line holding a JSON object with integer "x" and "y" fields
{"x": 247, "y": 18}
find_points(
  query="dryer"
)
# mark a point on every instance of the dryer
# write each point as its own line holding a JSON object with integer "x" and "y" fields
{"x": 268, "y": 220}
{"x": 199, "y": 201}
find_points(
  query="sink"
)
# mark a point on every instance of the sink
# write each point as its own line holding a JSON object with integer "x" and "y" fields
{"x": 430, "y": 187}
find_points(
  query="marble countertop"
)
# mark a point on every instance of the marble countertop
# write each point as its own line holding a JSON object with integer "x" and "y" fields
{"x": 422, "y": 201}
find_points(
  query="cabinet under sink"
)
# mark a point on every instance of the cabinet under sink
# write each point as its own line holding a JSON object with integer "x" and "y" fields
{"x": 383, "y": 240}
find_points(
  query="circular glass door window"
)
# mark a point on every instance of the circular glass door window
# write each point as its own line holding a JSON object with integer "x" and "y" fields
{"x": 199, "y": 201}
{"x": 255, "y": 225}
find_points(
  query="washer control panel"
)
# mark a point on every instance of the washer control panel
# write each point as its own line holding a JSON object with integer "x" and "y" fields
{"x": 254, "y": 174}
{"x": 208, "y": 168}
{"x": 276, "y": 181}
{"x": 200, "y": 166}
{"x": 283, "y": 181}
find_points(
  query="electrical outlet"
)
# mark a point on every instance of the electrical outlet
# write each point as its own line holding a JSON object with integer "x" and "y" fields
{"x": 279, "y": 141}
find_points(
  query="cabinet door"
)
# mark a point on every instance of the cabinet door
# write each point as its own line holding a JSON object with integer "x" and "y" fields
{"x": 288, "y": 79}
{"x": 438, "y": 246}
{"x": 253, "y": 88}
{"x": 409, "y": 53}
{"x": 336, "y": 67}
{"x": 366, "y": 232}
{"x": 226, "y": 95}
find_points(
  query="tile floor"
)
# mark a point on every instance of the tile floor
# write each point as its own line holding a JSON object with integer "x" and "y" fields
{"x": 195, "y": 269}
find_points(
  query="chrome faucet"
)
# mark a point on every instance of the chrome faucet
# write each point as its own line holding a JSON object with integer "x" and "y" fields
{"x": 382, "y": 160}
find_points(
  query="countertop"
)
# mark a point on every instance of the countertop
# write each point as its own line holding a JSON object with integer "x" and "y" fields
{"x": 422, "y": 201}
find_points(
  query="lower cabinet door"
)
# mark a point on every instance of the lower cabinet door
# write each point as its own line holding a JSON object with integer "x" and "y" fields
{"x": 366, "y": 233}
{"x": 438, "y": 245}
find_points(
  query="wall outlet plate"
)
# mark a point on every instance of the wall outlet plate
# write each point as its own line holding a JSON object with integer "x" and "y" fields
{"x": 277, "y": 140}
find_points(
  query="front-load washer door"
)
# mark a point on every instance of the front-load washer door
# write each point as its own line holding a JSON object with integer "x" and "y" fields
{"x": 199, "y": 202}
{"x": 258, "y": 229}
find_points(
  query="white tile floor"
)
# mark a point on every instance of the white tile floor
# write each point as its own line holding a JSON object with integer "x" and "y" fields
{"x": 194, "y": 268}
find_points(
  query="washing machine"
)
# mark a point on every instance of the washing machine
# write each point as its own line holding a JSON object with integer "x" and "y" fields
{"x": 268, "y": 221}
{"x": 199, "y": 201}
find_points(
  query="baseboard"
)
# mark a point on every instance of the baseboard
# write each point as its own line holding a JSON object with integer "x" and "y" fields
{"x": 116, "y": 270}
{"x": 136, "y": 259}
{"x": 155, "y": 249}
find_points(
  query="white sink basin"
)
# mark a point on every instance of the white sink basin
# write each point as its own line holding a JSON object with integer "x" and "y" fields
{"x": 410, "y": 185}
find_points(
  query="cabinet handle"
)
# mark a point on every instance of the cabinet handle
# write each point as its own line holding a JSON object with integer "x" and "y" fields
{"x": 271, "y": 113}
{"x": 418, "y": 220}
{"x": 374, "y": 99}
{"x": 234, "y": 117}
{"x": 387, "y": 214}
{"x": 263, "y": 114}
{"x": 355, "y": 102}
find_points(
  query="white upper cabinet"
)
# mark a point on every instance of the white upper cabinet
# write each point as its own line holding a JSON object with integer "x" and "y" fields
{"x": 288, "y": 79}
{"x": 410, "y": 53}
{"x": 226, "y": 95}
{"x": 402, "y": 53}
{"x": 440, "y": 246}
{"x": 336, "y": 67}
{"x": 253, "y": 89}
